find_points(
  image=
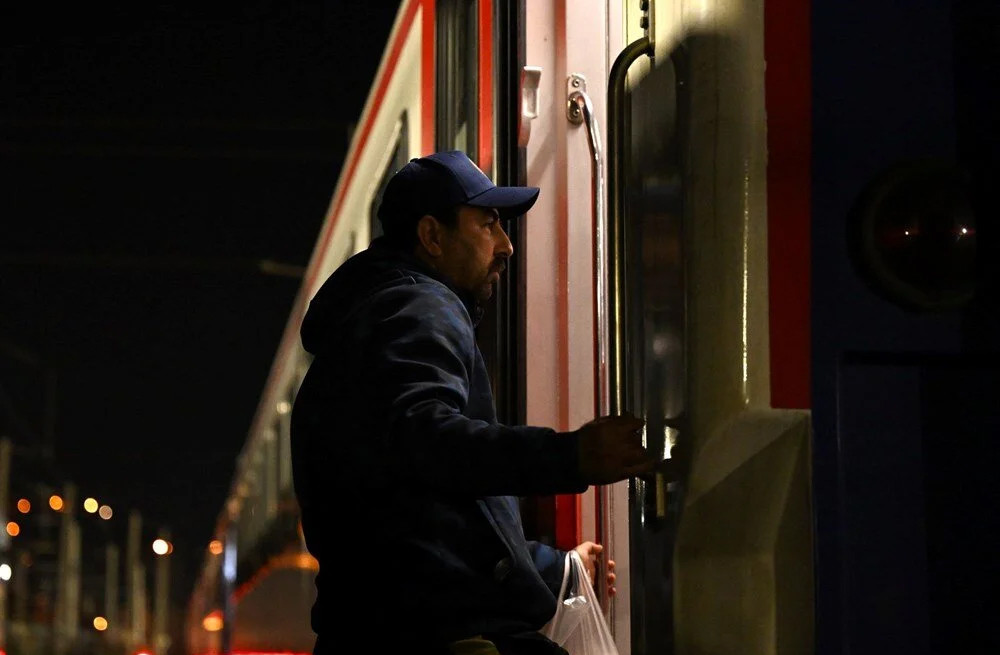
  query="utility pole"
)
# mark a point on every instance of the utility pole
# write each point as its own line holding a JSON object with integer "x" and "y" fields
{"x": 161, "y": 606}
{"x": 67, "y": 621}
{"x": 111, "y": 589}
{"x": 136, "y": 580}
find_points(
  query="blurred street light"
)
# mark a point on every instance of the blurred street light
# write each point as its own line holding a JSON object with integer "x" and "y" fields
{"x": 212, "y": 622}
{"x": 90, "y": 505}
{"x": 5, "y": 572}
{"x": 104, "y": 512}
{"x": 56, "y": 502}
{"x": 215, "y": 547}
{"x": 161, "y": 547}
{"x": 24, "y": 505}
{"x": 100, "y": 623}
{"x": 13, "y": 529}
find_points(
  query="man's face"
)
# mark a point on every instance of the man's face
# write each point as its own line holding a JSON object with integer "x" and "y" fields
{"x": 475, "y": 251}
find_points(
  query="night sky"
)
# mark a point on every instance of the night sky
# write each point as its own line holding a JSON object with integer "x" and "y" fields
{"x": 151, "y": 156}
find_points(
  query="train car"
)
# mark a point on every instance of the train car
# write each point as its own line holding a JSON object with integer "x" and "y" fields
{"x": 758, "y": 231}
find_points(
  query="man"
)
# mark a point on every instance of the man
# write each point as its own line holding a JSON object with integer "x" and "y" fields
{"x": 405, "y": 479}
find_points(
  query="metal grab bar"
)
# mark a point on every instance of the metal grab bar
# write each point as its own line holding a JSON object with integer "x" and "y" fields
{"x": 616, "y": 202}
{"x": 580, "y": 109}
{"x": 616, "y": 329}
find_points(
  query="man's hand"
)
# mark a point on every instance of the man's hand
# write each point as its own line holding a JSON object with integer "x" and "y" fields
{"x": 611, "y": 450}
{"x": 589, "y": 552}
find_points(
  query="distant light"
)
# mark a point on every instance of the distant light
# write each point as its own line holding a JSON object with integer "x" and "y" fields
{"x": 24, "y": 505}
{"x": 306, "y": 562}
{"x": 56, "y": 502}
{"x": 104, "y": 512}
{"x": 100, "y": 623}
{"x": 906, "y": 232}
{"x": 13, "y": 529}
{"x": 5, "y": 572}
{"x": 284, "y": 407}
{"x": 215, "y": 547}
{"x": 161, "y": 547}
{"x": 90, "y": 505}
{"x": 212, "y": 622}
{"x": 965, "y": 230}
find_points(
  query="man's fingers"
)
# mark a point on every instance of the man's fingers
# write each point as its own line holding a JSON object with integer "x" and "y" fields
{"x": 644, "y": 468}
{"x": 634, "y": 424}
{"x": 625, "y": 421}
{"x": 642, "y": 461}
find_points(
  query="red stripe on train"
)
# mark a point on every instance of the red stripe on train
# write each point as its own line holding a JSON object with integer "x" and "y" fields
{"x": 788, "y": 98}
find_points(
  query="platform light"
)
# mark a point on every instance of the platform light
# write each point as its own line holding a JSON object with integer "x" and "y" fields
{"x": 13, "y": 529}
{"x": 56, "y": 502}
{"x": 5, "y": 572}
{"x": 215, "y": 547}
{"x": 100, "y": 623}
{"x": 90, "y": 505}
{"x": 104, "y": 512}
{"x": 24, "y": 505}
{"x": 162, "y": 547}
{"x": 212, "y": 622}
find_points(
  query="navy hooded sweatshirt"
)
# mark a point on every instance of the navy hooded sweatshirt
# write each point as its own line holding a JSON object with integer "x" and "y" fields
{"x": 405, "y": 480}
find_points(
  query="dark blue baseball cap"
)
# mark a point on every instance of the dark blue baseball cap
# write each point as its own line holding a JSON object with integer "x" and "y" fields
{"x": 429, "y": 185}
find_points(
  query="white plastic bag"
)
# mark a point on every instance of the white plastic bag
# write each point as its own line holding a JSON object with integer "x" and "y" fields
{"x": 578, "y": 624}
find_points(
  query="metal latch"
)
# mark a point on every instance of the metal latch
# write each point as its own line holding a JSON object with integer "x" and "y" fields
{"x": 529, "y": 102}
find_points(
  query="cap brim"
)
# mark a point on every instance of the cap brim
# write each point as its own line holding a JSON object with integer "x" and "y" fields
{"x": 510, "y": 201}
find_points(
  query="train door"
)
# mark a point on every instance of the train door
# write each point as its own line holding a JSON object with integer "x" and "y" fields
{"x": 720, "y": 543}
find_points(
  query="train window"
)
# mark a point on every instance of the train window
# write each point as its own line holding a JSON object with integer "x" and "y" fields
{"x": 457, "y": 75}
{"x": 400, "y": 155}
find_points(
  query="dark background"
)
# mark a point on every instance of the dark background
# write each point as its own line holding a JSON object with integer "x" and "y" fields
{"x": 152, "y": 156}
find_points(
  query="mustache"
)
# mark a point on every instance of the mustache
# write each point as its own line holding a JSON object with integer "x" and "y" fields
{"x": 499, "y": 267}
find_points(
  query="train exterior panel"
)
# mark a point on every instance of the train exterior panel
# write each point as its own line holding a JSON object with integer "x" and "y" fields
{"x": 716, "y": 250}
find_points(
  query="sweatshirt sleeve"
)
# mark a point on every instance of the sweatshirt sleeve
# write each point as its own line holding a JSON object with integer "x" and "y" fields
{"x": 550, "y": 563}
{"x": 420, "y": 357}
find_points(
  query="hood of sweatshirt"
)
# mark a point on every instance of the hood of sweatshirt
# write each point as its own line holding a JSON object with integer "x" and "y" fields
{"x": 380, "y": 266}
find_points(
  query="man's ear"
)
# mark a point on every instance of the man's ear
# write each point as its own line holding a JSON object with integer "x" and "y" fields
{"x": 429, "y": 234}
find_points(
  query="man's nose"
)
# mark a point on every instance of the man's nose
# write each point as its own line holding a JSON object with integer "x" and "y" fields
{"x": 504, "y": 248}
